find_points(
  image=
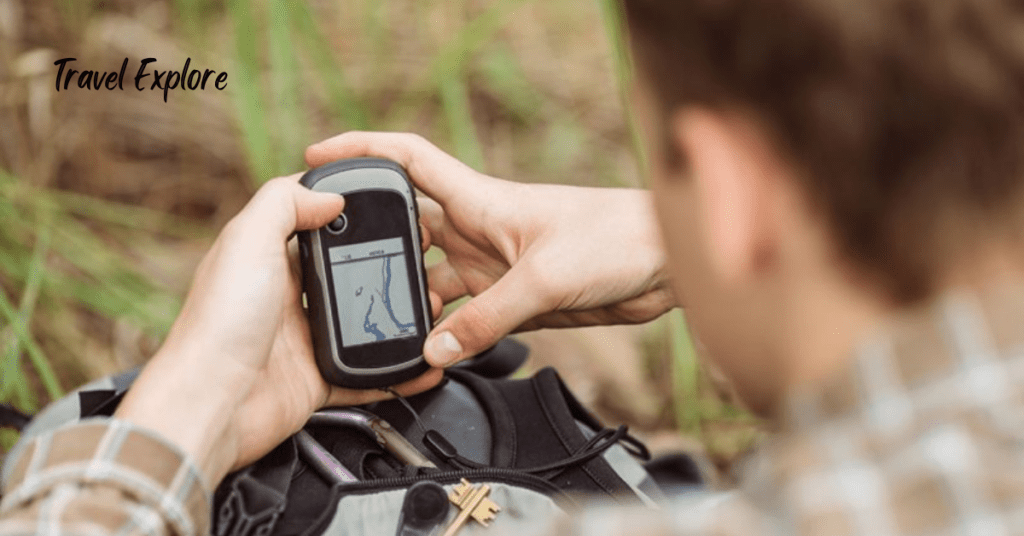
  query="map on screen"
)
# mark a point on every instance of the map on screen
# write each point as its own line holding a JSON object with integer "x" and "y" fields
{"x": 371, "y": 284}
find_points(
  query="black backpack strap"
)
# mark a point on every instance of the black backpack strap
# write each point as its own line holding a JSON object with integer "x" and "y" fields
{"x": 676, "y": 473}
{"x": 498, "y": 361}
{"x": 563, "y": 412}
{"x": 10, "y": 417}
{"x": 103, "y": 402}
{"x": 499, "y": 415}
{"x": 546, "y": 431}
{"x": 253, "y": 499}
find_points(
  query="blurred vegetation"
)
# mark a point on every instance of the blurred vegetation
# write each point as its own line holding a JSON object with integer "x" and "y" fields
{"x": 108, "y": 199}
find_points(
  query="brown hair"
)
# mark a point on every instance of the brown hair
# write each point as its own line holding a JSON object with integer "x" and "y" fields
{"x": 906, "y": 117}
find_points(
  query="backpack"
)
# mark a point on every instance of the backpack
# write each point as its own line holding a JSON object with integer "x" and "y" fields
{"x": 480, "y": 449}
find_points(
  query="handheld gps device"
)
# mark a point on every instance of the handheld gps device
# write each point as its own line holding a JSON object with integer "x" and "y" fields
{"x": 363, "y": 277}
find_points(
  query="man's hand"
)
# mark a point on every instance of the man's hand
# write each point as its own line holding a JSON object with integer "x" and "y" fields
{"x": 532, "y": 256}
{"x": 236, "y": 374}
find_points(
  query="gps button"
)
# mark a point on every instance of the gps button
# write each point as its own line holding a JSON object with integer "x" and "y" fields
{"x": 338, "y": 225}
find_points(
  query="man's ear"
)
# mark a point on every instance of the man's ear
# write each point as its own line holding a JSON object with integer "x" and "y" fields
{"x": 736, "y": 183}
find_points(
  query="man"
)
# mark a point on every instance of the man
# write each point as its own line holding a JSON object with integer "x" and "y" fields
{"x": 838, "y": 190}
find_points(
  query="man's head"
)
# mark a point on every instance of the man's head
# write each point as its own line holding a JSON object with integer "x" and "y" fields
{"x": 876, "y": 144}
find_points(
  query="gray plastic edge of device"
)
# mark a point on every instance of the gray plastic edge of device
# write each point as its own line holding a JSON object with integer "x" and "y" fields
{"x": 358, "y": 180}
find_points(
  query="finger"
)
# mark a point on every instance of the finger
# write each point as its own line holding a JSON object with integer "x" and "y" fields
{"x": 356, "y": 397}
{"x": 424, "y": 238}
{"x": 428, "y": 380}
{"x": 571, "y": 319}
{"x": 435, "y": 172}
{"x": 436, "y": 306}
{"x": 636, "y": 310}
{"x": 485, "y": 319}
{"x": 283, "y": 206}
{"x": 432, "y": 219}
{"x": 315, "y": 209}
{"x": 445, "y": 281}
{"x": 647, "y": 306}
{"x": 293, "y": 258}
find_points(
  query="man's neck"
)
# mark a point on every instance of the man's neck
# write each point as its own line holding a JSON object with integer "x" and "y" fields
{"x": 826, "y": 321}
{"x": 831, "y": 315}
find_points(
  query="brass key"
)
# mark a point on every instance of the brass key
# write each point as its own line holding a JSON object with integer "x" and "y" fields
{"x": 473, "y": 503}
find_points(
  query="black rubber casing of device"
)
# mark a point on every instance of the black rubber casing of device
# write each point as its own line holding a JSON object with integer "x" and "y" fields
{"x": 380, "y": 203}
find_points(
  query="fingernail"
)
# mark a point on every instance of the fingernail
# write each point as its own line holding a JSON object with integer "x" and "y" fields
{"x": 444, "y": 349}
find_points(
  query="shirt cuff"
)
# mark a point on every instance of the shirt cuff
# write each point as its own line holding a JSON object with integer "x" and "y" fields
{"x": 116, "y": 454}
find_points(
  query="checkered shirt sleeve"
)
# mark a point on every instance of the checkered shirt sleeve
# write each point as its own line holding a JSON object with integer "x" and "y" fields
{"x": 922, "y": 434}
{"x": 103, "y": 476}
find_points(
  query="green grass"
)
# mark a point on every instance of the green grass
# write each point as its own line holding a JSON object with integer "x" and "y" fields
{"x": 251, "y": 107}
{"x": 345, "y": 107}
{"x": 7, "y": 440}
{"x": 686, "y": 398}
{"x": 273, "y": 120}
{"x": 39, "y": 278}
{"x": 611, "y": 14}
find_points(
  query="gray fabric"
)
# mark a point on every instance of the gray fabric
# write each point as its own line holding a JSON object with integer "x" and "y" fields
{"x": 55, "y": 415}
{"x": 522, "y": 512}
{"x": 628, "y": 469}
{"x": 63, "y": 411}
{"x": 633, "y": 473}
{"x": 125, "y": 379}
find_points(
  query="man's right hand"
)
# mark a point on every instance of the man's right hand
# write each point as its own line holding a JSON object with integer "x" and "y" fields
{"x": 532, "y": 256}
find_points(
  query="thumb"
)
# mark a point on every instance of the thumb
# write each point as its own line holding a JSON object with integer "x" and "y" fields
{"x": 316, "y": 209}
{"x": 283, "y": 206}
{"x": 484, "y": 320}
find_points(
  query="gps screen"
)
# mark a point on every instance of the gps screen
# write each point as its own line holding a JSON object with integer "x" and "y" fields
{"x": 371, "y": 286}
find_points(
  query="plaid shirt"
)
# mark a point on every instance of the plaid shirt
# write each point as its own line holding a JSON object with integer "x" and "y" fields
{"x": 921, "y": 434}
{"x": 103, "y": 476}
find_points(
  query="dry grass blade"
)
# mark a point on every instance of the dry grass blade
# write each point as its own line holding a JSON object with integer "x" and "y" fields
{"x": 102, "y": 210}
{"x": 685, "y": 376}
{"x": 346, "y": 107}
{"x": 611, "y": 11}
{"x": 286, "y": 87}
{"x": 250, "y": 105}
{"x": 456, "y": 105}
